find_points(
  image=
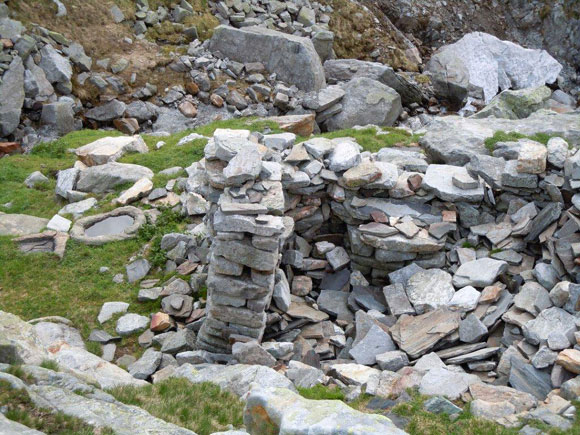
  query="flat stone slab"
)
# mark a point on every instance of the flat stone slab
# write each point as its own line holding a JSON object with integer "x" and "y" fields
{"x": 439, "y": 180}
{"x": 20, "y": 224}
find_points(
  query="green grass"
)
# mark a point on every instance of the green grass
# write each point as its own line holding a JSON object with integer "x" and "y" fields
{"x": 321, "y": 392}
{"x": 50, "y": 365}
{"x": 203, "y": 408}
{"x": 20, "y": 408}
{"x": 422, "y": 422}
{"x": 502, "y": 136}
{"x": 373, "y": 142}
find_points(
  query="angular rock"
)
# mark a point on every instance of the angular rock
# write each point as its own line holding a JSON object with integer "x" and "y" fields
{"x": 366, "y": 101}
{"x": 479, "y": 273}
{"x": 429, "y": 289}
{"x": 110, "y": 149}
{"x": 102, "y": 178}
{"x": 293, "y": 59}
{"x": 282, "y": 411}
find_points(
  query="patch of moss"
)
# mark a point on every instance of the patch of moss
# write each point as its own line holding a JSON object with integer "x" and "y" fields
{"x": 502, "y": 136}
{"x": 322, "y": 392}
{"x": 373, "y": 142}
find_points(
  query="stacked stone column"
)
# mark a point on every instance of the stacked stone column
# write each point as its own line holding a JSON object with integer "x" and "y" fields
{"x": 245, "y": 251}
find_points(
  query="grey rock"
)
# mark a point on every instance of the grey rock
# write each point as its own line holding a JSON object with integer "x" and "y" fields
{"x": 439, "y": 179}
{"x": 429, "y": 289}
{"x": 35, "y": 178}
{"x": 397, "y": 300}
{"x": 237, "y": 379}
{"x": 137, "y": 270}
{"x": 183, "y": 340}
{"x": 56, "y": 67}
{"x": 252, "y": 353}
{"x": 347, "y": 69}
{"x": 109, "y": 309}
{"x": 366, "y": 101}
{"x": 548, "y": 321}
{"x": 66, "y": 181}
{"x": 107, "y": 112}
{"x": 293, "y": 59}
{"x": 245, "y": 166}
{"x": 344, "y": 156}
{"x": 11, "y": 97}
{"x": 516, "y": 104}
{"x": 131, "y": 323}
{"x": 392, "y": 360}
{"x": 146, "y": 365}
{"x": 444, "y": 382}
{"x": 471, "y": 329}
{"x": 479, "y": 273}
{"x": 532, "y": 298}
{"x": 454, "y": 140}
{"x": 303, "y": 375}
{"x": 281, "y": 296}
{"x": 286, "y": 412}
{"x": 440, "y": 405}
{"x": 335, "y": 303}
{"x": 59, "y": 115}
{"x": 525, "y": 377}
{"x": 498, "y": 65}
{"x": 374, "y": 343}
{"x": 102, "y": 178}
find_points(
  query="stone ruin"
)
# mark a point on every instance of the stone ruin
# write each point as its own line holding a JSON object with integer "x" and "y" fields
{"x": 393, "y": 239}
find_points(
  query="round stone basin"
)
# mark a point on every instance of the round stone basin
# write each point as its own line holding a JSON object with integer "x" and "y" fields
{"x": 119, "y": 224}
{"x": 110, "y": 226}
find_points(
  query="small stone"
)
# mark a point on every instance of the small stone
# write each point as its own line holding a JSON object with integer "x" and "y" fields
{"x": 471, "y": 329}
{"x": 109, "y": 309}
{"x": 338, "y": 258}
{"x": 58, "y": 223}
{"x": 532, "y": 157}
{"x": 252, "y": 353}
{"x": 392, "y": 360}
{"x": 464, "y": 300}
{"x": 131, "y": 323}
{"x": 137, "y": 270}
{"x": 301, "y": 285}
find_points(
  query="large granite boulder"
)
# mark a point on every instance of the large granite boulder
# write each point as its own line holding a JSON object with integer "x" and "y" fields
{"x": 343, "y": 70}
{"x": 517, "y": 104}
{"x": 366, "y": 101}
{"x": 454, "y": 140}
{"x": 19, "y": 342}
{"x": 102, "y": 178}
{"x": 292, "y": 58}
{"x": 238, "y": 379}
{"x": 278, "y": 410}
{"x": 11, "y": 97}
{"x": 479, "y": 64}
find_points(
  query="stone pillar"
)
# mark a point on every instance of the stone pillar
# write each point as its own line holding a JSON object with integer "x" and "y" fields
{"x": 247, "y": 238}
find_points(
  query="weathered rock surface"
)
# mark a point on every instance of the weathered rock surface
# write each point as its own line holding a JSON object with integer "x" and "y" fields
{"x": 293, "y": 59}
{"x": 282, "y": 411}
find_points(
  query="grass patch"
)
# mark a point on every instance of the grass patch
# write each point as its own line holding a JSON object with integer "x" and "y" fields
{"x": 203, "y": 408}
{"x": 50, "y": 365}
{"x": 512, "y": 136}
{"x": 373, "y": 142}
{"x": 422, "y": 422}
{"x": 20, "y": 408}
{"x": 321, "y": 392}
